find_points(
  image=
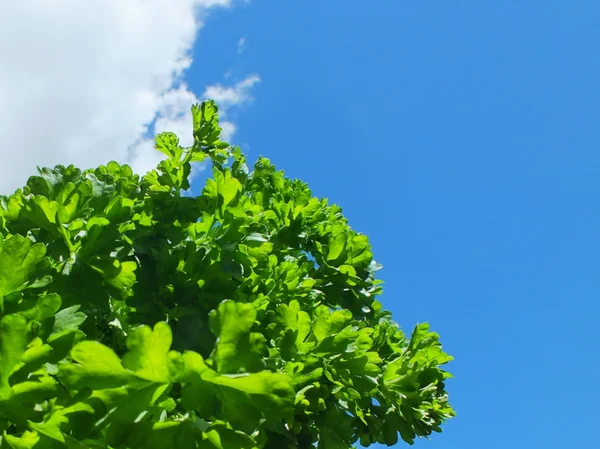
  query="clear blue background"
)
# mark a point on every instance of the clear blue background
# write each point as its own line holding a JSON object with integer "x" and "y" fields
{"x": 463, "y": 138}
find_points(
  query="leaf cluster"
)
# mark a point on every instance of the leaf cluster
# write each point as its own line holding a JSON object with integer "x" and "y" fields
{"x": 134, "y": 315}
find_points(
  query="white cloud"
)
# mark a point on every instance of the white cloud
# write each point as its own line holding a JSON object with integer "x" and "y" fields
{"x": 227, "y": 96}
{"x": 83, "y": 82}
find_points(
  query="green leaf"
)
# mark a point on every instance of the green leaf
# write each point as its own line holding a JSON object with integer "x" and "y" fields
{"x": 59, "y": 419}
{"x": 13, "y": 341}
{"x": 120, "y": 275}
{"x": 29, "y": 440}
{"x": 219, "y": 436}
{"x": 206, "y": 124}
{"x": 197, "y": 394}
{"x": 36, "y": 350}
{"x": 264, "y": 392}
{"x": 187, "y": 367}
{"x": 237, "y": 348}
{"x": 168, "y": 143}
{"x": 19, "y": 258}
{"x": 327, "y": 323}
{"x": 337, "y": 245}
{"x": 33, "y": 391}
{"x": 98, "y": 367}
{"x": 42, "y": 212}
{"x": 68, "y": 203}
{"x": 46, "y": 306}
{"x": 201, "y": 397}
{"x": 223, "y": 190}
{"x": 67, "y": 320}
{"x": 290, "y": 316}
{"x": 148, "y": 349}
{"x": 162, "y": 435}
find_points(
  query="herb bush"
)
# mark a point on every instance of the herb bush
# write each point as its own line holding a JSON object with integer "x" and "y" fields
{"x": 133, "y": 315}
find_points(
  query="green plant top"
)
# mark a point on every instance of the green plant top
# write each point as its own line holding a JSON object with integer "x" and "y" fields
{"x": 134, "y": 316}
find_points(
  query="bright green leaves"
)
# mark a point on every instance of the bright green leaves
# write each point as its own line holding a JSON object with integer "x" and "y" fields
{"x": 119, "y": 209}
{"x": 237, "y": 349}
{"x": 133, "y": 315}
{"x": 67, "y": 320}
{"x": 28, "y": 440}
{"x": 222, "y": 191}
{"x": 68, "y": 201}
{"x": 96, "y": 367}
{"x": 51, "y": 428}
{"x": 242, "y": 399}
{"x": 219, "y": 436}
{"x": 358, "y": 363}
{"x": 168, "y": 144}
{"x": 413, "y": 385}
{"x": 128, "y": 387}
{"x": 296, "y": 327}
{"x": 337, "y": 245}
{"x": 326, "y": 323}
{"x": 347, "y": 247}
{"x": 206, "y": 123}
{"x": 246, "y": 398}
{"x": 187, "y": 368}
{"x": 19, "y": 258}
{"x": 120, "y": 275}
{"x": 47, "y": 306}
{"x": 147, "y": 356}
{"x": 42, "y": 212}
{"x": 13, "y": 341}
{"x": 172, "y": 174}
{"x": 207, "y": 133}
{"x": 267, "y": 391}
{"x": 22, "y": 383}
{"x": 197, "y": 393}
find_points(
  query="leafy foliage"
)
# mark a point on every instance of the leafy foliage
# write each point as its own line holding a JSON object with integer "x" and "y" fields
{"x": 132, "y": 315}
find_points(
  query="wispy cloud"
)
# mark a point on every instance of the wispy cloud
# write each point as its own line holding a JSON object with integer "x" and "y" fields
{"x": 235, "y": 95}
{"x": 241, "y": 45}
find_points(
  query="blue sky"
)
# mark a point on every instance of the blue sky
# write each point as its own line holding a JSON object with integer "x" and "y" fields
{"x": 462, "y": 137}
